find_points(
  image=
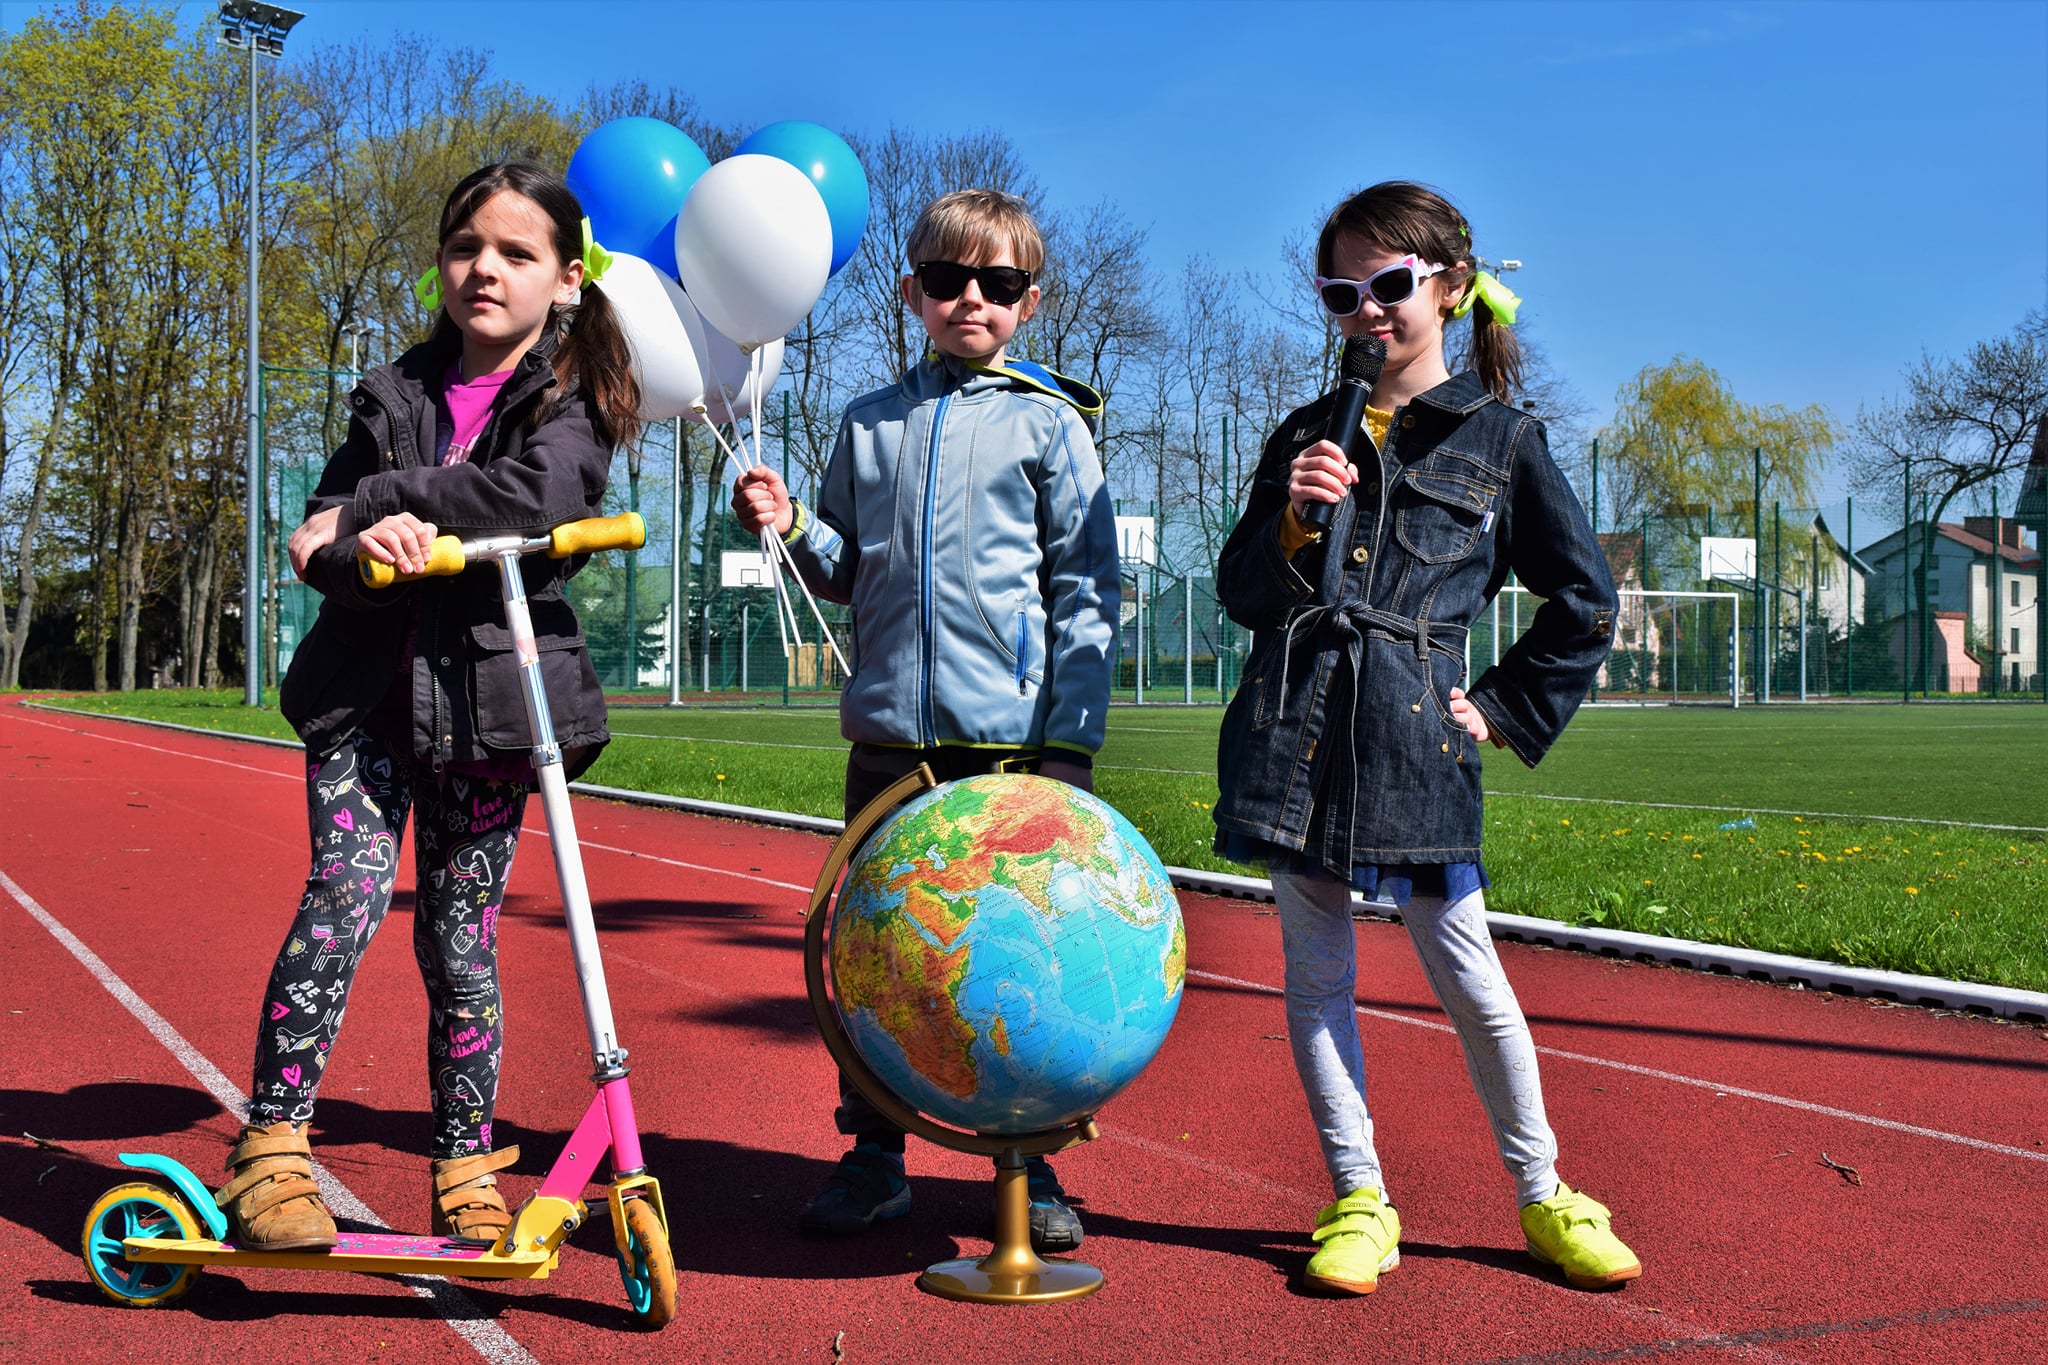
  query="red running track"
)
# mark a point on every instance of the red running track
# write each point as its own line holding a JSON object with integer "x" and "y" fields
{"x": 1698, "y": 1107}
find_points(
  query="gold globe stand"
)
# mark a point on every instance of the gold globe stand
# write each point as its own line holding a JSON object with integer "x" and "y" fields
{"x": 1011, "y": 1272}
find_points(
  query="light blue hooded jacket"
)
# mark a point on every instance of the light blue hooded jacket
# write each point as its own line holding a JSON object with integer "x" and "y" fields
{"x": 963, "y": 516}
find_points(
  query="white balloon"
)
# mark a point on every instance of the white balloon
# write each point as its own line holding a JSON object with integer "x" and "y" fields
{"x": 754, "y": 247}
{"x": 656, "y": 317}
{"x": 726, "y": 371}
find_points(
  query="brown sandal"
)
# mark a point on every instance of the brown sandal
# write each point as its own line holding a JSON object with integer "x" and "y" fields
{"x": 466, "y": 1198}
{"x": 272, "y": 1203}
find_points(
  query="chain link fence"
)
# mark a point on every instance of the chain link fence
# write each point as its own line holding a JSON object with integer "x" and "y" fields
{"x": 1948, "y": 608}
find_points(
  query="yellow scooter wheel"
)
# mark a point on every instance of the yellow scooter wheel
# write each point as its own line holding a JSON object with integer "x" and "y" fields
{"x": 646, "y": 1267}
{"x": 138, "y": 1209}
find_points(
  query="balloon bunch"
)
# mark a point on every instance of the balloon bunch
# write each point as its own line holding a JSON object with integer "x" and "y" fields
{"x": 713, "y": 264}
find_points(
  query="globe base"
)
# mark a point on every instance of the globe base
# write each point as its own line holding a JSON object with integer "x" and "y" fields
{"x": 1011, "y": 1272}
{"x": 970, "y": 1281}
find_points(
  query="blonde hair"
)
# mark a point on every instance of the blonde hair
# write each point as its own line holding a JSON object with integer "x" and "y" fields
{"x": 973, "y": 226}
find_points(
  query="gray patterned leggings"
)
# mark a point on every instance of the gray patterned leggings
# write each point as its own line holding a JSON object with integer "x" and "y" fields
{"x": 466, "y": 831}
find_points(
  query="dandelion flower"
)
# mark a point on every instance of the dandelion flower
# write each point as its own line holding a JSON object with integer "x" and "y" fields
{"x": 1912, "y": 890}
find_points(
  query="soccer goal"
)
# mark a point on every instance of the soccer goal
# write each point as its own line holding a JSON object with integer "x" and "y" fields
{"x": 1668, "y": 646}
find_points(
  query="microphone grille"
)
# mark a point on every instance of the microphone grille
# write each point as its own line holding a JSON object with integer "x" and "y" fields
{"x": 1362, "y": 359}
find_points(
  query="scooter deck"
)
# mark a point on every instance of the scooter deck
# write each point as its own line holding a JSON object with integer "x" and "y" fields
{"x": 379, "y": 1253}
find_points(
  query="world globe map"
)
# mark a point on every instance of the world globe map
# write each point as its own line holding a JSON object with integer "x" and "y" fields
{"x": 1006, "y": 953}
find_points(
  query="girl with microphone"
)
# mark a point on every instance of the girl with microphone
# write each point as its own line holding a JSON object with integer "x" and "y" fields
{"x": 1350, "y": 756}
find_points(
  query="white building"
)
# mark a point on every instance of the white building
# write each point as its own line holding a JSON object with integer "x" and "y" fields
{"x": 1983, "y": 587}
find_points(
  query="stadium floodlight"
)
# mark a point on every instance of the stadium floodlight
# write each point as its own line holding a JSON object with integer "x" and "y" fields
{"x": 261, "y": 29}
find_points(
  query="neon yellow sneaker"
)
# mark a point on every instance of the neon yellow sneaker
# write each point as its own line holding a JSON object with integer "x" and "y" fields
{"x": 1360, "y": 1240}
{"x": 1570, "y": 1231}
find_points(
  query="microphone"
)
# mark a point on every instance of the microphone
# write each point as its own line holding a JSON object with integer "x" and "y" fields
{"x": 1358, "y": 369}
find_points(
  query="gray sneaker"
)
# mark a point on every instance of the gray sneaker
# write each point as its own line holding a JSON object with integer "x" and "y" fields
{"x": 867, "y": 1187}
{"x": 1055, "y": 1228}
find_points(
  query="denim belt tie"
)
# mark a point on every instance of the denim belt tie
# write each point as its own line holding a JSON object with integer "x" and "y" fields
{"x": 1357, "y": 621}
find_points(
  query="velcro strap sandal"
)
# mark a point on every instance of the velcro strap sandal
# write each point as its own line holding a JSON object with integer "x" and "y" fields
{"x": 466, "y": 1198}
{"x": 272, "y": 1203}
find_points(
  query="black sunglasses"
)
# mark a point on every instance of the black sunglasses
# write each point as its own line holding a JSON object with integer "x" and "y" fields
{"x": 945, "y": 281}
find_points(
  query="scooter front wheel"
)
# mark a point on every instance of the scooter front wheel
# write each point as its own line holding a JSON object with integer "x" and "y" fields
{"x": 138, "y": 1209}
{"x": 646, "y": 1267}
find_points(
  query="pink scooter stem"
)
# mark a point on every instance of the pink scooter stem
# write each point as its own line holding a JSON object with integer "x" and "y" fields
{"x": 607, "y": 1124}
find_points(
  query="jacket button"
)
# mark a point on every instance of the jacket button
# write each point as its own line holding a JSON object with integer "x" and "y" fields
{"x": 1408, "y": 421}
{"x": 445, "y": 661}
{"x": 1360, "y": 555}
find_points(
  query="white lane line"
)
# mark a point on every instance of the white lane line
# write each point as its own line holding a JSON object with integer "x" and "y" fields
{"x": 674, "y": 862}
{"x": 458, "y": 1310}
{"x": 528, "y": 829}
{"x": 159, "y": 749}
{"x": 1806, "y": 1106}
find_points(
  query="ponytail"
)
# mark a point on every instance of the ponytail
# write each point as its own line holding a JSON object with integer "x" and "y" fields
{"x": 1496, "y": 353}
{"x": 594, "y": 357}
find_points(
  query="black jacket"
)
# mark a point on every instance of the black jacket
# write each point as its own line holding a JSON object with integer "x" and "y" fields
{"x": 1340, "y": 742}
{"x": 467, "y": 703}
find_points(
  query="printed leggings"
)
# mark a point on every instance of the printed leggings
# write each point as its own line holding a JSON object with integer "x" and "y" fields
{"x": 467, "y": 829}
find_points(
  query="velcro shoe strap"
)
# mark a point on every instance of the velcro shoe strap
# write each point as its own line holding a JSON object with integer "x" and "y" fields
{"x": 276, "y": 1188}
{"x": 264, "y": 1144}
{"x": 1358, "y": 1222}
{"x": 461, "y": 1170}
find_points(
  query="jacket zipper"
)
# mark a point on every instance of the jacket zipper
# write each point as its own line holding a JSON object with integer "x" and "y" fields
{"x": 927, "y": 718}
{"x": 1020, "y": 651}
{"x": 1372, "y": 564}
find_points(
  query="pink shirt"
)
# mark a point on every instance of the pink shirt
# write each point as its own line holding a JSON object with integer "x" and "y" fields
{"x": 466, "y": 407}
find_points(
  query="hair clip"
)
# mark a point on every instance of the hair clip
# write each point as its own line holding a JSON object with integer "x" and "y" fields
{"x": 596, "y": 260}
{"x": 427, "y": 289}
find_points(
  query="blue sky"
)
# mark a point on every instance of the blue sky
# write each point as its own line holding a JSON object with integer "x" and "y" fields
{"x": 1805, "y": 196}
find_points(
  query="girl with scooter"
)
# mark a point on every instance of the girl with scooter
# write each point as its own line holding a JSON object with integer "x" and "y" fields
{"x": 503, "y": 423}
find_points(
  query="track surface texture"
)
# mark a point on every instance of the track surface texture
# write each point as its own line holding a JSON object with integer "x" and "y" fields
{"x": 1698, "y": 1107}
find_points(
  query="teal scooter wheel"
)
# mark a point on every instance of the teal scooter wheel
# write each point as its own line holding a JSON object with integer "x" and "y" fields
{"x": 138, "y": 1209}
{"x": 646, "y": 1267}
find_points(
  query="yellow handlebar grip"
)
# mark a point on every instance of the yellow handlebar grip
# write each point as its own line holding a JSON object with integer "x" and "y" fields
{"x": 444, "y": 558}
{"x": 623, "y": 532}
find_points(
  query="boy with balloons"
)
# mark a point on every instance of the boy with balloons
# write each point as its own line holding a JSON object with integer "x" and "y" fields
{"x": 963, "y": 515}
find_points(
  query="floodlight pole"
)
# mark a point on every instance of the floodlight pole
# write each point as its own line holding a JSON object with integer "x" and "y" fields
{"x": 254, "y": 26}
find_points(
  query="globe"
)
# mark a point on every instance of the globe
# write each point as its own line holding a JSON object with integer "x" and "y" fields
{"x": 1006, "y": 953}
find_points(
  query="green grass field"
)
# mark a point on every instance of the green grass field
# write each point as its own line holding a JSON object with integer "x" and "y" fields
{"x": 1602, "y": 833}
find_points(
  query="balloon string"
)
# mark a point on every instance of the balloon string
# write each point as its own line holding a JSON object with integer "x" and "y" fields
{"x": 772, "y": 549}
{"x": 782, "y": 550}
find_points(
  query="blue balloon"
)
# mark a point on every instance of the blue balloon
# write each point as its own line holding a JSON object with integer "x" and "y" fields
{"x": 820, "y": 154}
{"x": 632, "y": 176}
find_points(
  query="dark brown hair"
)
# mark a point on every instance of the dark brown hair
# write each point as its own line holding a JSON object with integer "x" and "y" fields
{"x": 1400, "y": 215}
{"x": 593, "y": 354}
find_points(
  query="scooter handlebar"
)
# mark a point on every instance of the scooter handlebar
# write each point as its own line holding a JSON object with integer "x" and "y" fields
{"x": 444, "y": 558}
{"x": 625, "y": 531}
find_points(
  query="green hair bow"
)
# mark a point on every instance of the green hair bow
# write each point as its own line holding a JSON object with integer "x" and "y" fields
{"x": 596, "y": 260}
{"x": 1500, "y": 300}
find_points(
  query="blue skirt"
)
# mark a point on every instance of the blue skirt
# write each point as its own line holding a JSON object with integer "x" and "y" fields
{"x": 1387, "y": 883}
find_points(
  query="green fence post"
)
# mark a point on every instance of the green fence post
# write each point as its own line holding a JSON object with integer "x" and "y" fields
{"x": 1849, "y": 603}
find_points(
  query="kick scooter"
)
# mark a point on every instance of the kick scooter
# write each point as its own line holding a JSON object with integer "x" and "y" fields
{"x": 146, "y": 1241}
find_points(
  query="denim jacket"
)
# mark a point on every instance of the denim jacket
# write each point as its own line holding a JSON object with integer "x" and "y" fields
{"x": 1340, "y": 743}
